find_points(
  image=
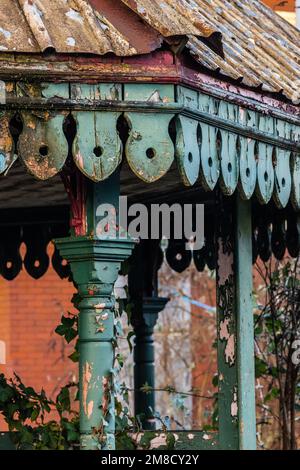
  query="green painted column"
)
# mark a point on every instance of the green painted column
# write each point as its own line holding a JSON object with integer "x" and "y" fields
{"x": 144, "y": 358}
{"x": 95, "y": 263}
{"x": 236, "y": 399}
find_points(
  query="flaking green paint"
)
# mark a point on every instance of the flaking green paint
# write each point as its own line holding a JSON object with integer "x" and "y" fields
{"x": 236, "y": 397}
{"x": 95, "y": 266}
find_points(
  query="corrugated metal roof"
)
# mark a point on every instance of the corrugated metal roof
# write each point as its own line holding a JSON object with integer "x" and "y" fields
{"x": 67, "y": 26}
{"x": 173, "y": 17}
{"x": 259, "y": 47}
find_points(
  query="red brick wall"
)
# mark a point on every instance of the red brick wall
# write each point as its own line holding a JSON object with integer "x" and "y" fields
{"x": 204, "y": 356}
{"x": 30, "y": 310}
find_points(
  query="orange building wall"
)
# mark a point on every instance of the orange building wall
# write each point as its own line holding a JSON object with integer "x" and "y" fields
{"x": 30, "y": 310}
{"x": 285, "y": 5}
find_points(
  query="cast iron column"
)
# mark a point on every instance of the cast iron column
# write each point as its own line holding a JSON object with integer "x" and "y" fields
{"x": 146, "y": 305}
{"x": 144, "y": 365}
{"x": 95, "y": 264}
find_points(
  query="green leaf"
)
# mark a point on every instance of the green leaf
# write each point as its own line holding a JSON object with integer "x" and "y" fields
{"x": 146, "y": 439}
{"x": 63, "y": 400}
{"x": 70, "y": 335}
{"x": 273, "y": 394}
{"x": 35, "y": 413}
{"x": 171, "y": 441}
{"x": 60, "y": 330}
{"x": 74, "y": 356}
{"x": 261, "y": 367}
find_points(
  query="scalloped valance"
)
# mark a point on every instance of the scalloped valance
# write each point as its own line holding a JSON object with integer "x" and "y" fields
{"x": 212, "y": 140}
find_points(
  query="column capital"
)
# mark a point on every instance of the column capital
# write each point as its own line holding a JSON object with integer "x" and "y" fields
{"x": 101, "y": 258}
{"x": 146, "y": 312}
{"x": 89, "y": 247}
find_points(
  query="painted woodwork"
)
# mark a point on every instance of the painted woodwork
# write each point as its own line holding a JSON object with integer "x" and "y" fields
{"x": 149, "y": 158}
{"x": 177, "y": 256}
{"x": 209, "y": 147}
{"x": 265, "y": 169}
{"x": 188, "y": 133}
{"x": 149, "y": 148}
{"x": 10, "y": 259}
{"x": 36, "y": 260}
{"x": 246, "y": 156}
{"x": 42, "y": 144}
{"x": 7, "y": 147}
{"x": 283, "y": 177}
{"x": 229, "y": 151}
{"x": 214, "y": 140}
{"x": 195, "y": 440}
{"x": 292, "y": 237}
{"x": 187, "y": 149}
{"x": 295, "y": 193}
{"x": 236, "y": 396}
{"x": 97, "y": 148}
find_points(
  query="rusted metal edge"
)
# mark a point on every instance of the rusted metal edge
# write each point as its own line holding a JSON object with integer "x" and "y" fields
{"x": 58, "y": 104}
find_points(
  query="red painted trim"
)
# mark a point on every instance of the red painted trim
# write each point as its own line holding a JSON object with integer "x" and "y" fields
{"x": 77, "y": 198}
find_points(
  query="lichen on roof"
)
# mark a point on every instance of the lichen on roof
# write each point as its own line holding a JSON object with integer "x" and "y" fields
{"x": 258, "y": 48}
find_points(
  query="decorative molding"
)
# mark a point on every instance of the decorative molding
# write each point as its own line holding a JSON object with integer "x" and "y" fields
{"x": 212, "y": 139}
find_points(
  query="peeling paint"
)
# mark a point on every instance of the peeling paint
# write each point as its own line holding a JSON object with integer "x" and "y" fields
{"x": 90, "y": 408}
{"x": 106, "y": 397}
{"x": 70, "y": 41}
{"x": 229, "y": 338}
{"x": 43, "y": 150}
{"x": 34, "y": 17}
{"x": 74, "y": 15}
{"x": 86, "y": 378}
{"x": 234, "y": 405}
{"x": 101, "y": 306}
{"x": 225, "y": 267}
{"x": 5, "y": 33}
{"x": 79, "y": 159}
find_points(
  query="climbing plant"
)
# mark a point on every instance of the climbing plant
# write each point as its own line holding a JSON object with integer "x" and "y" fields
{"x": 27, "y": 414}
{"x": 37, "y": 422}
{"x": 277, "y": 335}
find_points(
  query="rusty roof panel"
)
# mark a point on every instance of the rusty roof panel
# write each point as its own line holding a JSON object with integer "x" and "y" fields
{"x": 66, "y": 26}
{"x": 173, "y": 17}
{"x": 258, "y": 45}
{"x": 258, "y": 48}
{"x": 15, "y": 33}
